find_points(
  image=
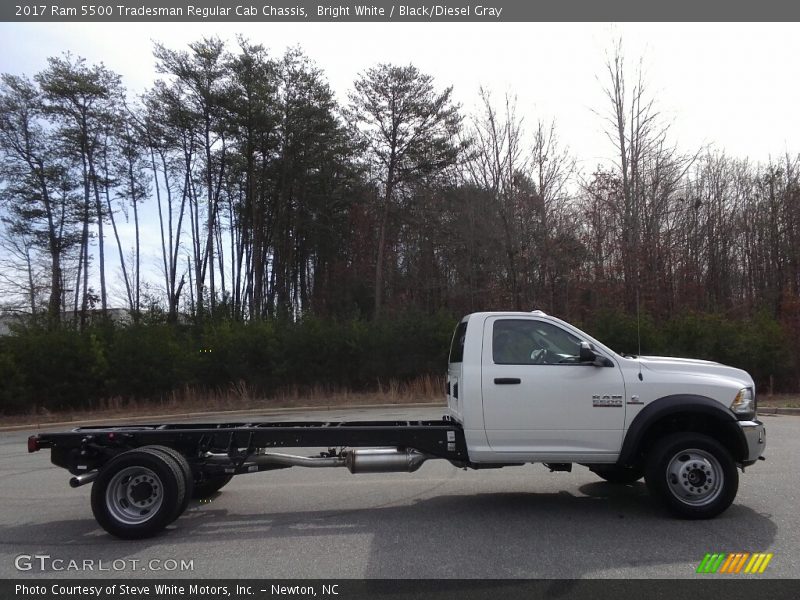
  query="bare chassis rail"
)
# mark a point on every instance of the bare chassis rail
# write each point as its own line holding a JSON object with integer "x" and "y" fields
{"x": 86, "y": 449}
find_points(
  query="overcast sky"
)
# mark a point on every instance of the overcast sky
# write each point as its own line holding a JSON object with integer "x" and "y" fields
{"x": 733, "y": 85}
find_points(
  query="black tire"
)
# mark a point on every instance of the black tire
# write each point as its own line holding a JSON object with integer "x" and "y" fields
{"x": 692, "y": 474}
{"x": 210, "y": 486}
{"x": 144, "y": 475}
{"x": 618, "y": 475}
{"x": 187, "y": 474}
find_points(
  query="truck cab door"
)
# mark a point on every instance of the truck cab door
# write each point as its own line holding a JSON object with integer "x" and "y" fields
{"x": 540, "y": 402}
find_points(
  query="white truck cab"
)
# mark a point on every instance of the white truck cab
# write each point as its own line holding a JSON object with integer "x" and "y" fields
{"x": 528, "y": 387}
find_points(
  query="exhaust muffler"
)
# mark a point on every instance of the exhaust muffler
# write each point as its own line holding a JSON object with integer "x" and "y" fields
{"x": 357, "y": 460}
{"x": 384, "y": 460}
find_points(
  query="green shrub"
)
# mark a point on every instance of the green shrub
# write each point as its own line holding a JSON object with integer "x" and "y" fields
{"x": 68, "y": 369}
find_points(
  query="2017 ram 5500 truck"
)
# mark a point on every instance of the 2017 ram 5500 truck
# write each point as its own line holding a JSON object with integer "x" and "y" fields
{"x": 521, "y": 388}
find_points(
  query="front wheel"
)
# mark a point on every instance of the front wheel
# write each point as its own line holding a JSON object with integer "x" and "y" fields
{"x": 693, "y": 474}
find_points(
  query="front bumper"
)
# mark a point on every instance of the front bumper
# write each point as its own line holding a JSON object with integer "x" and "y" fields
{"x": 755, "y": 434}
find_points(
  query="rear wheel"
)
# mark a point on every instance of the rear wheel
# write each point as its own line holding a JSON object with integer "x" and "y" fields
{"x": 180, "y": 459}
{"x": 210, "y": 485}
{"x": 618, "y": 475}
{"x": 138, "y": 493}
{"x": 693, "y": 474}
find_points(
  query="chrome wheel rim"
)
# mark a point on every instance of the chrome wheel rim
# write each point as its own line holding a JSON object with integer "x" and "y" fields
{"x": 695, "y": 477}
{"x": 134, "y": 495}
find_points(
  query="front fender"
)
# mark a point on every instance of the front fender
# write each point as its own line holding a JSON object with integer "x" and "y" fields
{"x": 680, "y": 404}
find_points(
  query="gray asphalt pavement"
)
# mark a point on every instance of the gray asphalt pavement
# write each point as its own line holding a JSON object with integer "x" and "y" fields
{"x": 439, "y": 522}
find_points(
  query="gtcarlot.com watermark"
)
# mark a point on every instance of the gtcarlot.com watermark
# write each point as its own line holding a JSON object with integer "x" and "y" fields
{"x": 46, "y": 562}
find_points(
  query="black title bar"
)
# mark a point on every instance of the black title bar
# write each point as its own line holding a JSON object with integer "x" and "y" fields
{"x": 453, "y": 11}
{"x": 378, "y": 589}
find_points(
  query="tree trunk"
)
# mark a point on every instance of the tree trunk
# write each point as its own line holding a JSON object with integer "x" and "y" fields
{"x": 387, "y": 201}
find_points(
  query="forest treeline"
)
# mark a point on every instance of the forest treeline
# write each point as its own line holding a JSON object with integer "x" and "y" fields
{"x": 278, "y": 211}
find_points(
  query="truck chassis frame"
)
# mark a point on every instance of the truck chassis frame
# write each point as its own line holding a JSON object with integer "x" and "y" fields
{"x": 145, "y": 475}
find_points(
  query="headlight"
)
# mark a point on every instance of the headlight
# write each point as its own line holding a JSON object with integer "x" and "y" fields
{"x": 744, "y": 404}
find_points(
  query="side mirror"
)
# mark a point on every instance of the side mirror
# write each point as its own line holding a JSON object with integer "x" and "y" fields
{"x": 588, "y": 356}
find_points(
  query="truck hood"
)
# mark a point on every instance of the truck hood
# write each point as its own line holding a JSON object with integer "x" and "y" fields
{"x": 669, "y": 364}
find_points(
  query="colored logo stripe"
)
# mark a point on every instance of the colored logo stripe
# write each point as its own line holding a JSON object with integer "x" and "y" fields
{"x": 710, "y": 563}
{"x": 735, "y": 562}
{"x": 727, "y": 564}
{"x": 721, "y": 562}
{"x": 758, "y": 563}
{"x": 703, "y": 563}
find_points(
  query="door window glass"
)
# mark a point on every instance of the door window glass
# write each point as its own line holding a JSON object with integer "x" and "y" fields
{"x": 532, "y": 342}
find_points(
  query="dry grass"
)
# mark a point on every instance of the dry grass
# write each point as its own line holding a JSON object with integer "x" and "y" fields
{"x": 239, "y": 396}
{"x": 780, "y": 400}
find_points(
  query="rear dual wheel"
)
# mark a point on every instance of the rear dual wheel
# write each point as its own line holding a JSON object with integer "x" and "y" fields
{"x": 139, "y": 492}
{"x": 180, "y": 459}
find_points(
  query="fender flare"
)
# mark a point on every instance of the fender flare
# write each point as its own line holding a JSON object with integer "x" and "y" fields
{"x": 679, "y": 403}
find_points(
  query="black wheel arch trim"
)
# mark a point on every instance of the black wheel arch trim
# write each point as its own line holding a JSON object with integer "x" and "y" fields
{"x": 678, "y": 403}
